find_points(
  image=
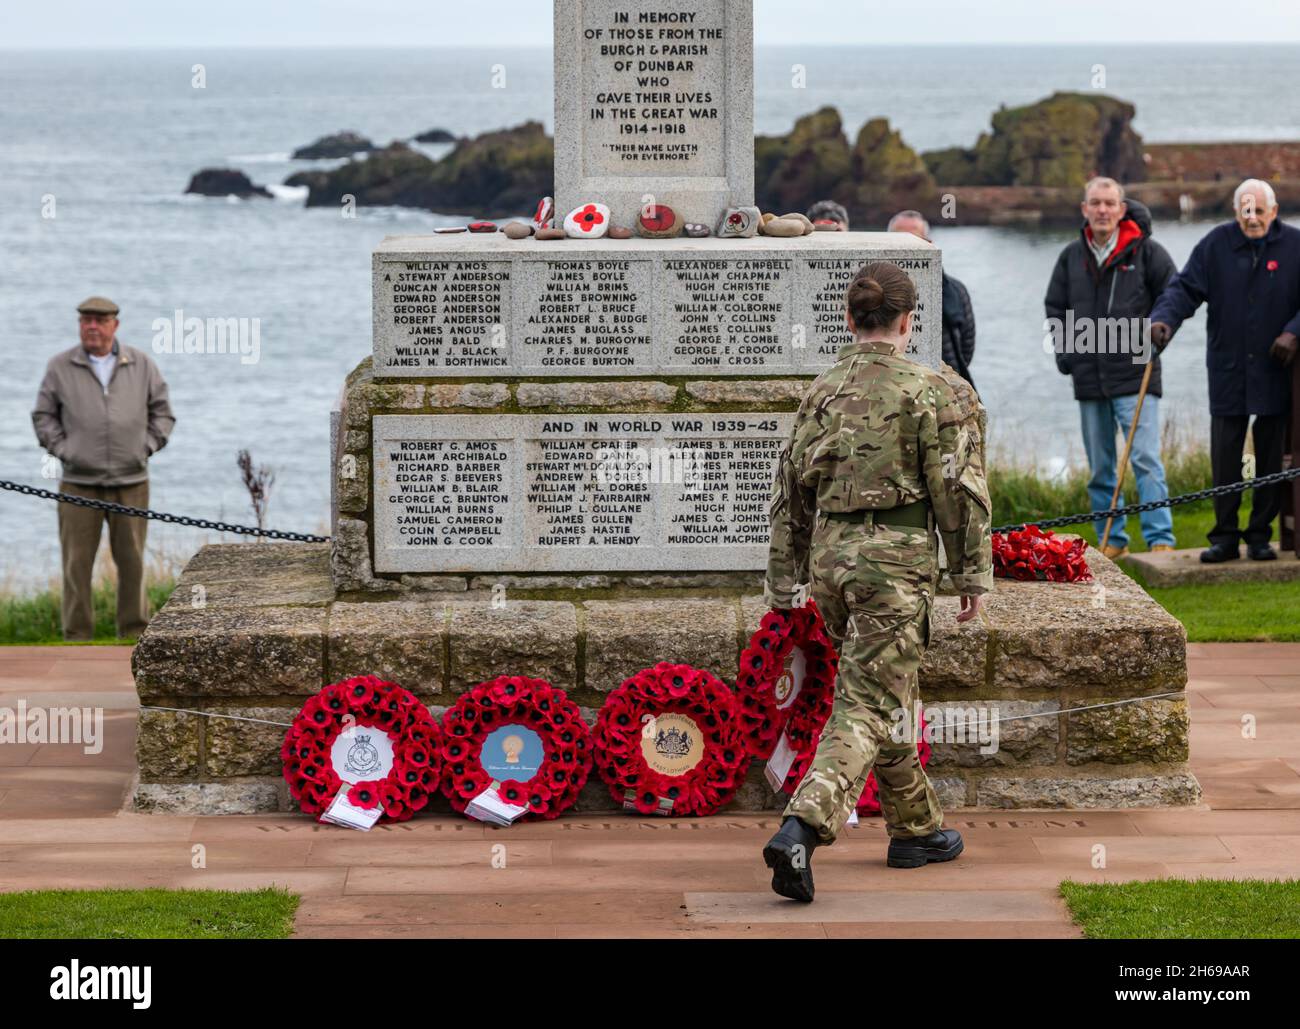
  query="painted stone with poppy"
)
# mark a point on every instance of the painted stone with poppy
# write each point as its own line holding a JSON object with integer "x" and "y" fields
{"x": 587, "y": 221}
{"x": 658, "y": 221}
{"x": 739, "y": 223}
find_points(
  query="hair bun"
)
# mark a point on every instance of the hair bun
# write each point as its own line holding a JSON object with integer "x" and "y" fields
{"x": 869, "y": 294}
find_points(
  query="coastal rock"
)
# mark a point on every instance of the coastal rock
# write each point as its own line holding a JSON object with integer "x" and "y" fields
{"x": 551, "y": 234}
{"x": 1060, "y": 141}
{"x": 518, "y": 230}
{"x": 620, "y": 232}
{"x": 435, "y": 136}
{"x": 341, "y": 144}
{"x": 493, "y": 175}
{"x": 739, "y": 223}
{"x": 587, "y": 221}
{"x": 793, "y": 172}
{"x": 886, "y": 175}
{"x": 696, "y": 231}
{"x": 482, "y": 226}
{"x": 875, "y": 177}
{"x": 658, "y": 221}
{"x": 224, "y": 182}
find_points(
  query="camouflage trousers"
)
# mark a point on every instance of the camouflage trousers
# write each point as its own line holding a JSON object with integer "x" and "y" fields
{"x": 874, "y": 585}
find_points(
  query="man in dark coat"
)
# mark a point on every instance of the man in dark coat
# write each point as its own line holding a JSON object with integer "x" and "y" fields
{"x": 958, "y": 315}
{"x": 1103, "y": 287}
{"x": 1248, "y": 272}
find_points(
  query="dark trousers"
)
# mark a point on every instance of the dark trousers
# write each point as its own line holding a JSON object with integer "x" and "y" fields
{"x": 1227, "y": 440}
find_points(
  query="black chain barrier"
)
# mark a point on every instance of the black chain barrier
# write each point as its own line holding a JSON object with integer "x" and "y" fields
{"x": 1152, "y": 505}
{"x": 301, "y": 537}
{"x": 160, "y": 516}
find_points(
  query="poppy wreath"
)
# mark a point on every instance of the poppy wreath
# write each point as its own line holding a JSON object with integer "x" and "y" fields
{"x": 809, "y": 714}
{"x": 363, "y": 702}
{"x": 1032, "y": 553}
{"x": 685, "y": 721}
{"x": 763, "y": 682}
{"x": 534, "y": 704}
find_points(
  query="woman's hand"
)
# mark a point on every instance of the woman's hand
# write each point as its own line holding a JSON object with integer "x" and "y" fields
{"x": 970, "y": 605}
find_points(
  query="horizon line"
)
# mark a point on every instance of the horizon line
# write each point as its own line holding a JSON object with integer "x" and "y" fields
{"x": 1145, "y": 45}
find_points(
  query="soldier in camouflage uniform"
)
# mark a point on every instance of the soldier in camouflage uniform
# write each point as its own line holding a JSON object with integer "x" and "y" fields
{"x": 882, "y": 451}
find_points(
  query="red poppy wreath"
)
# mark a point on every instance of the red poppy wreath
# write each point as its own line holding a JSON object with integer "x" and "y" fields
{"x": 668, "y": 742}
{"x": 787, "y": 689}
{"x": 522, "y": 738}
{"x": 370, "y": 737}
{"x": 789, "y": 649}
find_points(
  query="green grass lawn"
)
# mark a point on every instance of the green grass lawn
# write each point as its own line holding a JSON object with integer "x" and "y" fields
{"x": 1179, "y": 909}
{"x": 1222, "y": 612}
{"x": 35, "y": 618}
{"x": 147, "y": 914}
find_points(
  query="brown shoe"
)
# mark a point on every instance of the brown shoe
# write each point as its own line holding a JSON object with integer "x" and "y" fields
{"x": 1113, "y": 552}
{"x": 1161, "y": 548}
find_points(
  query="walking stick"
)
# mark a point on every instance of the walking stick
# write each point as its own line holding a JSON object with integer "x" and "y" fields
{"x": 1128, "y": 445}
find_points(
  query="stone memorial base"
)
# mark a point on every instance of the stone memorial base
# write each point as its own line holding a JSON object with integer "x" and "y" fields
{"x": 255, "y": 629}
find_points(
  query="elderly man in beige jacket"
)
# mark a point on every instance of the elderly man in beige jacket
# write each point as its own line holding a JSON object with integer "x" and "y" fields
{"x": 102, "y": 411}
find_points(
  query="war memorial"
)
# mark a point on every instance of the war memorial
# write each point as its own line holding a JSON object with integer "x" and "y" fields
{"x": 556, "y": 463}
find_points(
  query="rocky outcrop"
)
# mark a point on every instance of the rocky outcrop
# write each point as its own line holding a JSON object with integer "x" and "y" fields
{"x": 492, "y": 175}
{"x": 341, "y": 144}
{"x": 1061, "y": 141}
{"x": 887, "y": 175}
{"x": 794, "y": 171}
{"x": 435, "y": 136}
{"x": 394, "y": 175}
{"x": 224, "y": 182}
{"x": 877, "y": 176}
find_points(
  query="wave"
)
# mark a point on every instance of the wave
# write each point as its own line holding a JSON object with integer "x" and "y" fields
{"x": 290, "y": 194}
{"x": 281, "y": 157}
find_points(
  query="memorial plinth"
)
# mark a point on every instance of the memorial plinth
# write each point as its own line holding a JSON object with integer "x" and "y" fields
{"x": 273, "y": 632}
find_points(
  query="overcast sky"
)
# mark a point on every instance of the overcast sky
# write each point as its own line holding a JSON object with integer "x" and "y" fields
{"x": 94, "y": 23}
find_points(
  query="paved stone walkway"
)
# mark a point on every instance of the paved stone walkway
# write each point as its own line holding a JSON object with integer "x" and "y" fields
{"x": 61, "y": 826}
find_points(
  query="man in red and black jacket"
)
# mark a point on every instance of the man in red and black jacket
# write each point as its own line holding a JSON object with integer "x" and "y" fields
{"x": 1103, "y": 288}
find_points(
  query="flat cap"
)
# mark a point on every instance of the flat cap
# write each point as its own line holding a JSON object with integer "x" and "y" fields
{"x": 97, "y": 305}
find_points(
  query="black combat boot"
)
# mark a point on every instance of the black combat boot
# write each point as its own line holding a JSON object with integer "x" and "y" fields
{"x": 940, "y": 845}
{"x": 789, "y": 855}
{"x": 1260, "y": 552}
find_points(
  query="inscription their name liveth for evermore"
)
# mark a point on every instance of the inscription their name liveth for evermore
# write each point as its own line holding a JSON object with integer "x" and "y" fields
{"x": 550, "y": 493}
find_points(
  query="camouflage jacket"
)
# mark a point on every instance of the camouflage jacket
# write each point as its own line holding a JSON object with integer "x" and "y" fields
{"x": 875, "y": 431}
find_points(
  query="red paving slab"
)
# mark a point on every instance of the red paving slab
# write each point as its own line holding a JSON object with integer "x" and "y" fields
{"x": 607, "y": 876}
